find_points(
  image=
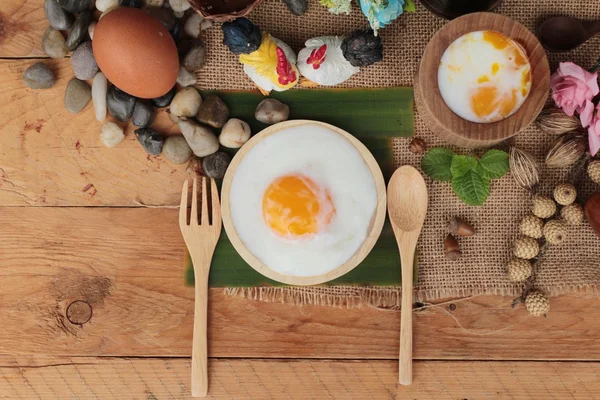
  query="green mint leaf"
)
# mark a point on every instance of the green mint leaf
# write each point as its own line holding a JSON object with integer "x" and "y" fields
{"x": 409, "y": 6}
{"x": 461, "y": 164}
{"x": 436, "y": 163}
{"x": 494, "y": 164}
{"x": 471, "y": 188}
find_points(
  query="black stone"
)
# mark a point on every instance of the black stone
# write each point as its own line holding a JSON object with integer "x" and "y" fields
{"x": 241, "y": 36}
{"x": 59, "y": 18}
{"x": 176, "y": 31}
{"x": 150, "y": 140}
{"x": 165, "y": 99}
{"x": 76, "y": 6}
{"x": 192, "y": 53}
{"x": 120, "y": 104}
{"x": 79, "y": 30}
{"x": 132, "y": 3}
{"x": 362, "y": 48}
{"x": 164, "y": 15}
{"x": 215, "y": 165}
{"x": 143, "y": 113}
{"x": 297, "y": 7}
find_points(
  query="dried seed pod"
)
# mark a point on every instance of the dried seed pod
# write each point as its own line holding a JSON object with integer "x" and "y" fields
{"x": 554, "y": 121}
{"x": 524, "y": 169}
{"x": 452, "y": 248}
{"x": 418, "y": 146}
{"x": 457, "y": 226}
{"x": 566, "y": 150}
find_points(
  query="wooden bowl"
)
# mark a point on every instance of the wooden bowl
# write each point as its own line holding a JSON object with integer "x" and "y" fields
{"x": 375, "y": 226}
{"x": 456, "y": 130}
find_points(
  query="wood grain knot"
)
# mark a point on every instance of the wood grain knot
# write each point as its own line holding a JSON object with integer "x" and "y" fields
{"x": 79, "y": 312}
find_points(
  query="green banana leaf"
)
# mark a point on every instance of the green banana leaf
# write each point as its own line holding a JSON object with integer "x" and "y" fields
{"x": 374, "y": 116}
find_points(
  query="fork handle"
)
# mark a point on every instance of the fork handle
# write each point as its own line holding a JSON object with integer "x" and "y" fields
{"x": 199, "y": 344}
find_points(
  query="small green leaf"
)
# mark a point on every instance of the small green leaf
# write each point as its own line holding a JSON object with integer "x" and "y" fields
{"x": 461, "y": 164}
{"x": 436, "y": 163}
{"x": 409, "y": 6}
{"x": 471, "y": 188}
{"x": 494, "y": 164}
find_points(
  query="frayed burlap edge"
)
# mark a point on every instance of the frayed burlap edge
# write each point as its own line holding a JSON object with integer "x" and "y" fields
{"x": 386, "y": 298}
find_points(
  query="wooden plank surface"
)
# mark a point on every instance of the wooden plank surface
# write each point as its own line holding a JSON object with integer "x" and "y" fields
{"x": 108, "y": 378}
{"x": 22, "y": 24}
{"x": 51, "y": 157}
{"x": 126, "y": 263}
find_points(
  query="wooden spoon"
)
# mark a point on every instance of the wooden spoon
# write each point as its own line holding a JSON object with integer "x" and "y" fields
{"x": 566, "y": 33}
{"x": 407, "y": 206}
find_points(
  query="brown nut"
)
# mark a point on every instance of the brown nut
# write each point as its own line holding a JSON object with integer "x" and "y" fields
{"x": 418, "y": 146}
{"x": 457, "y": 226}
{"x": 452, "y": 248}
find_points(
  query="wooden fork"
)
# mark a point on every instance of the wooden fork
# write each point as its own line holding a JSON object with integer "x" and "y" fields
{"x": 201, "y": 240}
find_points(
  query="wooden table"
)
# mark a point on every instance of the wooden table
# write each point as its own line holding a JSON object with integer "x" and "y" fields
{"x": 77, "y": 238}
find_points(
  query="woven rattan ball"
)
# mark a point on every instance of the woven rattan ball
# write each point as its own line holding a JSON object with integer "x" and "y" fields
{"x": 537, "y": 303}
{"x": 532, "y": 226}
{"x": 555, "y": 231}
{"x": 593, "y": 170}
{"x": 526, "y": 248}
{"x": 518, "y": 270}
{"x": 543, "y": 207}
{"x": 572, "y": 214}
{"x": 565, "y": 194}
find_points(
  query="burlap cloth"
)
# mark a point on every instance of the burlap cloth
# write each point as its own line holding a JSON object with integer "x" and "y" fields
{"x": 574, "y": 265}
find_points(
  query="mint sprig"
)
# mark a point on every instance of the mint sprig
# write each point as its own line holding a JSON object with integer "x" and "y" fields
{"x": 470, "y": 177}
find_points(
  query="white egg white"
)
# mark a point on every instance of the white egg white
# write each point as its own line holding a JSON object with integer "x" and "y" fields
{"x": 330, "y": 161}
{"x": 466, "y": 60}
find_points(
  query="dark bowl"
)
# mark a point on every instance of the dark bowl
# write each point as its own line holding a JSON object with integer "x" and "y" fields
{"x": 451, "y": 9}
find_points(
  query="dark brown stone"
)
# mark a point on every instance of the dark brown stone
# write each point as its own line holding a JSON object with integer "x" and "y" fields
{"x": 592, "y": 212}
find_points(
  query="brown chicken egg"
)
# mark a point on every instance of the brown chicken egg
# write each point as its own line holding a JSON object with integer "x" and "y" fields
{"x": 136, "y": 53}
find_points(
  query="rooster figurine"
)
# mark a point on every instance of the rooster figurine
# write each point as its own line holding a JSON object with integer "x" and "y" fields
{"x": 270, "y": 63}
{"x": 331, "y": 60}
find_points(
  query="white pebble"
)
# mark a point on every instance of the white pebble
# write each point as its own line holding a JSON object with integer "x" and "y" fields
{"x": 179, "y": 14}
{"x": 179, "y": 5}
{"x": 192, "y": 25}
{"x": 154, "y": 3}
{"x": 202, "y": 140}
{"x": 103, "y": 5}
{"x": 91, "y": 29}
{"x": 111, "y": 134}
{"x": 185, "y": 77}
{"x": 186, "y": 103}
{"x": 99, "y": 89}
{"x": 235, "y": 133}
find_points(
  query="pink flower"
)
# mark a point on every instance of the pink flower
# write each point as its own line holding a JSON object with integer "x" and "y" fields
{"x": 573, "y": 88}
{"x": 594, "y": 132}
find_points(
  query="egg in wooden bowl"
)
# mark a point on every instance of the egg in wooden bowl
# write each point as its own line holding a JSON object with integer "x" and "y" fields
{"x": 483, "y": 78}
{"x": 303, "y": 202}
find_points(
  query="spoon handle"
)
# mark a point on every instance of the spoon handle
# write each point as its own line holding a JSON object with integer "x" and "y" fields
{"x": 407, "y": 255}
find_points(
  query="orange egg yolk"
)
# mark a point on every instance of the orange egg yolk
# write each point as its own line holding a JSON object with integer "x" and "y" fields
{"x": 294, "y": 205}
{"x": 487, "y": 99}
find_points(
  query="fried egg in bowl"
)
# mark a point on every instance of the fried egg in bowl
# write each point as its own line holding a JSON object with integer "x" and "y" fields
{"x": 303, "y": 202}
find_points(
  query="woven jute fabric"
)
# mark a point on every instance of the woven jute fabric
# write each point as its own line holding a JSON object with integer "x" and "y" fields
{"x": 574, "y": 265}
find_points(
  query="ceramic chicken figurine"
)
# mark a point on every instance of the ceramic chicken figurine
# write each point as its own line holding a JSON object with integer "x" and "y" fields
{"x": 270, "y": 63}
{"x": 331, "y": 60}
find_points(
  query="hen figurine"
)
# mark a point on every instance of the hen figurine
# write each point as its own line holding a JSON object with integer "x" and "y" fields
{"x": 331, "y": 60}
{"x": 270, "y": 63}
